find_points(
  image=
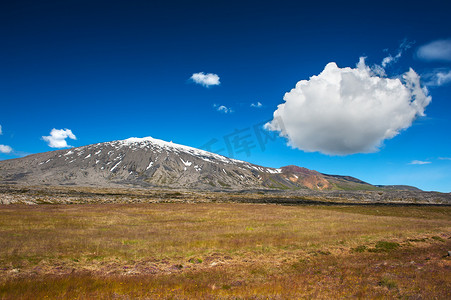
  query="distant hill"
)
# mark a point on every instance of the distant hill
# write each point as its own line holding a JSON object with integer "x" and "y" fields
{"x": 400, "y": 188}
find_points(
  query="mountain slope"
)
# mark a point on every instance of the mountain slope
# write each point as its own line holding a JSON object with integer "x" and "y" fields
{"x": 152, "y": 162}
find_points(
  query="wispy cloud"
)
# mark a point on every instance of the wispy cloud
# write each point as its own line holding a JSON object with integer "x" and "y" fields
{"x": 1, "y": 132}
{"x": 443, "y": 77}
{"x": 257, "y": 105}
{"x": 21, "y": 153}
{"x": 419, "y": 162}
{"x": 438, "y": 77}
{"x": 439, "y": 50}
{"x": 223, "y": 109}
{"x": 205, "y": 80}
{"x": 57, "y": 138}
{"x": 392, "y": 59}
{"x": 444, "y": 158}
{"x": 5, "y": 149}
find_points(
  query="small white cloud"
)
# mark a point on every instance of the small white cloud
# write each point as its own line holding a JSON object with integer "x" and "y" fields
{"x": 419, "y": 162}
{"x": 257, "y": 105}
{"x": 344, "y": 111}
{"x": 5, "y": 149}
{"x": 387, "y": 60}
{"x": 223, "y": 109}
{"x": 439, "y": 50}
{"x": 438, "y": 77}
{"x": 57, "y": 138}
{"x": 444, "y": 158}
{"x": 206, "y": 80}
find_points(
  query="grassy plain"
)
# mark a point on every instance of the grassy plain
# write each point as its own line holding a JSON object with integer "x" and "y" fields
{"x": 223, "y": 251}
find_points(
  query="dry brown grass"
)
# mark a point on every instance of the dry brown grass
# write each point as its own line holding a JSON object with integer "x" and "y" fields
{"x": 223, "y": 251}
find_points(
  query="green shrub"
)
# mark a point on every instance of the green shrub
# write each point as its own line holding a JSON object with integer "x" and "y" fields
{"x": 360, "y": 249}
{"x": 437, "y": 238}
{"x": 388, "y": 282}
{"x": 384, "y": 246}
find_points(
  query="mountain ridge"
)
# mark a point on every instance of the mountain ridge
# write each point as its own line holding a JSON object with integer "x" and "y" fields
{"x": 150, "y": 162}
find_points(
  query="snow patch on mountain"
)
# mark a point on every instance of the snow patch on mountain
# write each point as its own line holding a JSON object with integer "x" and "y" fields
{"x": 186, "y": 163}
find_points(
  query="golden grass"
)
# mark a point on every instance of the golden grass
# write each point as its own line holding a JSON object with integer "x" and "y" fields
{"x": 210, "y": 250}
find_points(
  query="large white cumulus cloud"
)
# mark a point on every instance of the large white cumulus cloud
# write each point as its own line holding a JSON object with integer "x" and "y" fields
{"x": 348, "y": 110}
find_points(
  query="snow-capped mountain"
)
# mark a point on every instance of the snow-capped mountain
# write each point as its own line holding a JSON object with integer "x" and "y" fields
{"x": 152, "y": 162}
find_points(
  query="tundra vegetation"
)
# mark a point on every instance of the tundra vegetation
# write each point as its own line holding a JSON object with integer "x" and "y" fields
{"x": 186, "y": 250}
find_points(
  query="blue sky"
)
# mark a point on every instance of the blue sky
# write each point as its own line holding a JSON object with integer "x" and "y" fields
{"x": 110, "y": 70}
